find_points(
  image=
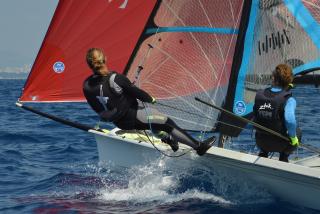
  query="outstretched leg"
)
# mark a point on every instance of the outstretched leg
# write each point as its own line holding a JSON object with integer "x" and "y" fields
{"x": 152, "y": 119}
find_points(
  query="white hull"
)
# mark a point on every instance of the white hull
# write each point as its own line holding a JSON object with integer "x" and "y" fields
{"x": 291, "y": 182}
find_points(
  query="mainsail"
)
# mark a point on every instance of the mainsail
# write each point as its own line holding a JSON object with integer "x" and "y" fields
{"x": 189, "y": 52}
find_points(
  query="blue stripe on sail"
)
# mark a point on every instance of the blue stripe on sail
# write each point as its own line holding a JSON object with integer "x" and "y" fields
{"x": 193, "y": 29}
{"x": 248, "y": 45}
{"x": 305, "y": 19}
{"x": 307, "y": 66}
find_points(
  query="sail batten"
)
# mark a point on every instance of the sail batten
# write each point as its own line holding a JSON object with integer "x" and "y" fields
{"x": 193, "y": 29}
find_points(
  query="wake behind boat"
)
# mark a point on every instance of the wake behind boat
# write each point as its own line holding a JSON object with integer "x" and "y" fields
{"x": 220, "y": 51}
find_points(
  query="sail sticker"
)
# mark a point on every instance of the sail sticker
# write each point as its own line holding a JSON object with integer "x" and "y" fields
{"x": 276, "y": 40}
{"x": 34, "y": 98}
{"x": 123, "y": 5}
{"x": 240, "y": 108}
{"x": 58, "y": 67}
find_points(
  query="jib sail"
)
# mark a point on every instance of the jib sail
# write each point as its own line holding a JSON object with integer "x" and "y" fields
{"x": 60, "y": 67}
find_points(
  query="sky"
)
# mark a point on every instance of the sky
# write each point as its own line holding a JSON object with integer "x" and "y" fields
{"x": 23, "y": 25}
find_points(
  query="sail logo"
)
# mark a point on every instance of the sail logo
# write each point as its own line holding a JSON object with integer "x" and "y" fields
{"x": 240, "y": 108}
{"x": 277, "y": 40}
{"x": 58, "y": 67}
{"x": 123, "y": 5}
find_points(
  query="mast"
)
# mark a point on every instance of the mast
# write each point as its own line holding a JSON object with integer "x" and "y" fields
{"x": 223, "y": 128}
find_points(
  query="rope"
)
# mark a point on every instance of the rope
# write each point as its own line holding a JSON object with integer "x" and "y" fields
{"x": 184, "y": 111}
{"x": 152, "y": 141}
{"x": 163, "y": 153}
{"x": 219, "y": 121}
{"x": 140, "y": 66}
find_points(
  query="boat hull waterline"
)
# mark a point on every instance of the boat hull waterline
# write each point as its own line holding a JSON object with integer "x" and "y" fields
{"x": 295, "y": 183}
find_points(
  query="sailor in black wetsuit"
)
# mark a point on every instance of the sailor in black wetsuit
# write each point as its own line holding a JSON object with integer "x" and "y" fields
{"x": 274, "y": 108}
{"x": 114, "y": 98}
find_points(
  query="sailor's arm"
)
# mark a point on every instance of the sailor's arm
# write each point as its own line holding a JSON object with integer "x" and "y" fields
{"x": 132, "y": 90}
{"x": 290, "y": 120}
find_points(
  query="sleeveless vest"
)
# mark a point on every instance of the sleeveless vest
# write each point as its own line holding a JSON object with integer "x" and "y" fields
{"x": 269, "y": 112}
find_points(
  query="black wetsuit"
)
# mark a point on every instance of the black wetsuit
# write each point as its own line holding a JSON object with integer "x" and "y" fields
{"x": 114, "y": 98}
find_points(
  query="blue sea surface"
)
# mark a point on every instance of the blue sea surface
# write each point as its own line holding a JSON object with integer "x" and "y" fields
{"x": 47, "y": 167}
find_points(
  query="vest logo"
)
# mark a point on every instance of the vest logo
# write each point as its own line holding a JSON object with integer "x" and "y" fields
{"x": 103, "y": 101}
{"x": 58, "y": 67}
{"x": 123, "y": 5}
{"x": 265, "y": 106}
{"x": 265, "y": 111}
{"x": 240, "y": 108}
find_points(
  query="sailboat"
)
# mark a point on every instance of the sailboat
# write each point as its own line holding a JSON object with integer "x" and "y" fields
{"x": 219, "y": 51}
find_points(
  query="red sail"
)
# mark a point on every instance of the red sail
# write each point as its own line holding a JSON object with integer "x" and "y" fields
{"x": 60, "y": 67}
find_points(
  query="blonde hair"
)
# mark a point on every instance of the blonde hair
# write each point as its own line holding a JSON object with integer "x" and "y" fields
{"x": 95, "y": 61}
{"x": 283, "y": 75}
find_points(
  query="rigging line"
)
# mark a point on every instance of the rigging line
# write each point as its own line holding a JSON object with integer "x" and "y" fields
{"x": 142, "y": 62}
{"x": 149, "y": 75}
{"x": 152, "y": 141}
{"x": 243, "y": 119}
{"x": 231, "y": 9}
{"x": 215, "y": 35}
{"x": 191, "y": 122}
{"x": 172, "y": 107}
{"x": 196, "y": 41}
{"x": 312, "y": 4}
{"x": 228, "y": 51}
{"x": 163, "y": 153}
{"x": 175, "y": 96}
{"x": 219, "y": 121}
{"x": 140, "y": 66}
{"x": 256, "y": 125}
{"x": 185, "y": 69}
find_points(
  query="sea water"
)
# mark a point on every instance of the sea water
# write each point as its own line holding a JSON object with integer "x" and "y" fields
{"x": 47, "y": 167}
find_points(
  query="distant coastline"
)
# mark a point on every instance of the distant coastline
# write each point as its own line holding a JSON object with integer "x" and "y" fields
{"x": 21, "y": 72}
